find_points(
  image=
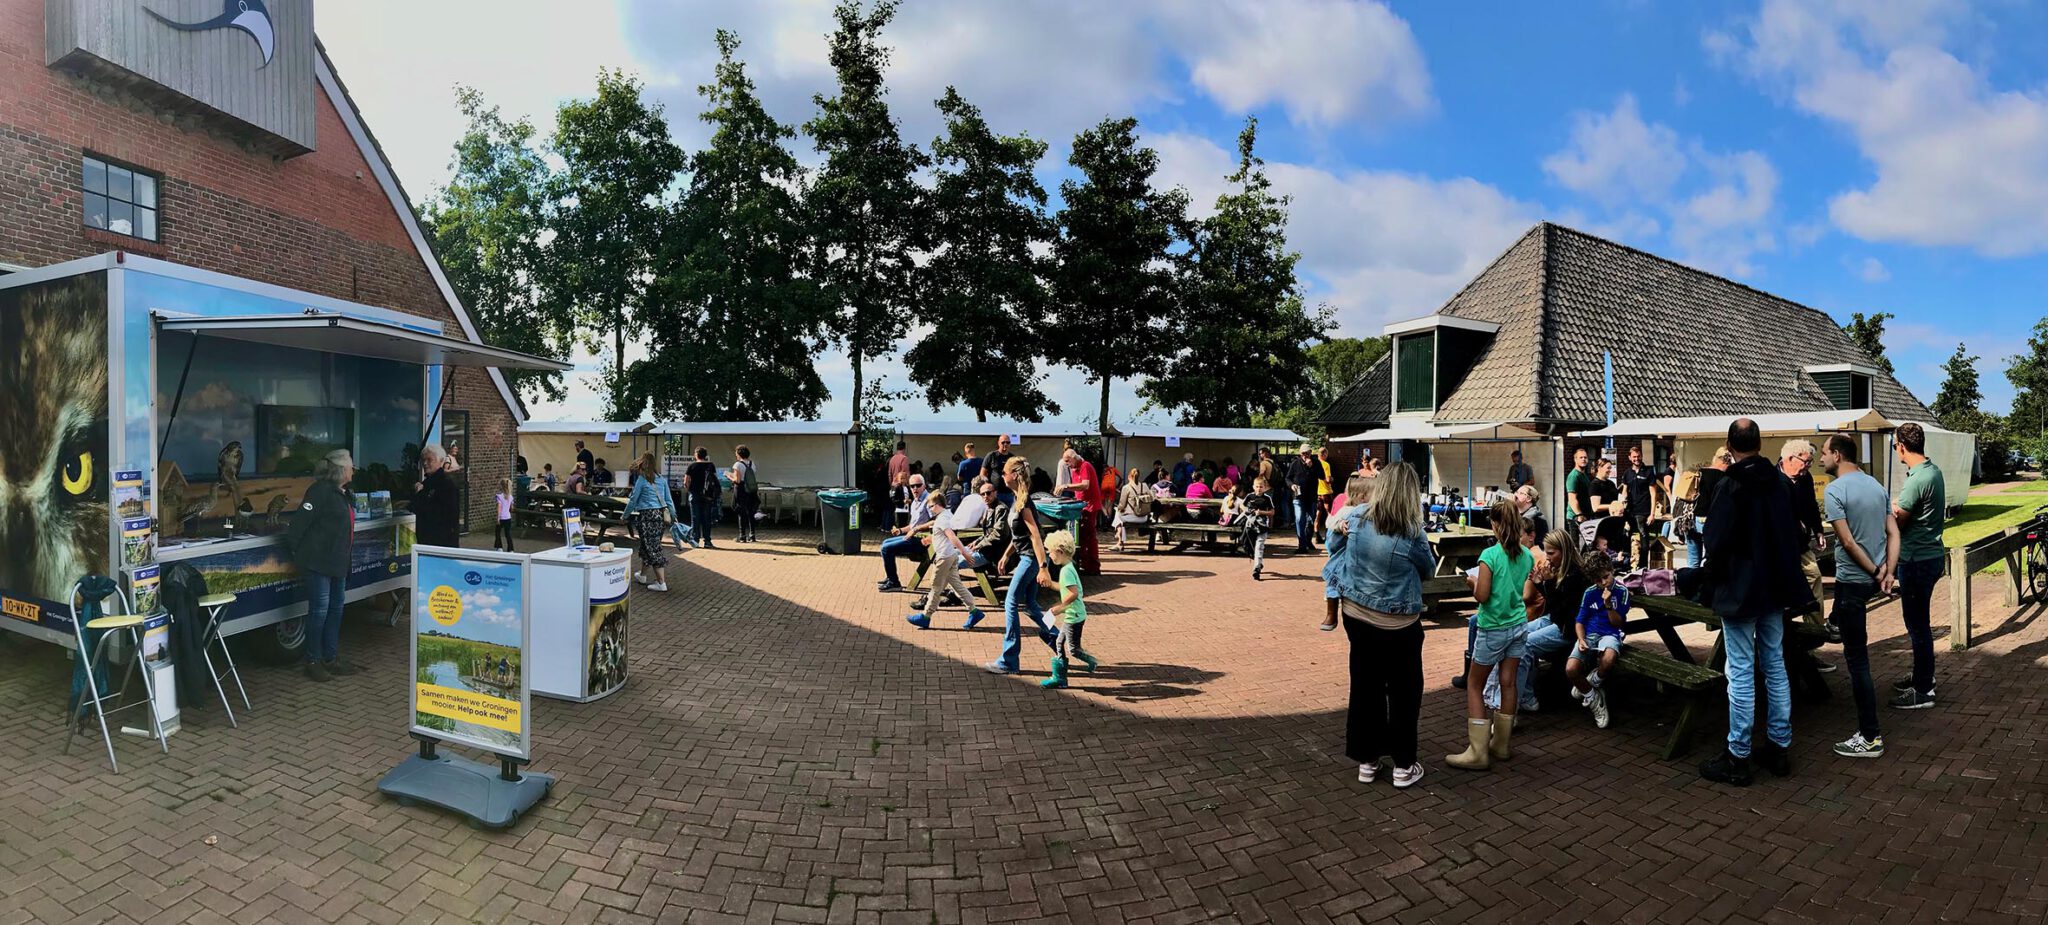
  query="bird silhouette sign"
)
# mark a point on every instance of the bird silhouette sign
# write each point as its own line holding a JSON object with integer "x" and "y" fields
{"x": 249, "y": 16}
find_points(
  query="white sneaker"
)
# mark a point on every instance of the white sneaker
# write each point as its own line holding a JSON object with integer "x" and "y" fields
{"x": 640, "y": 577}
{"x": 1593, "y": 677}
{"x": 1407, "y": 777}
{"x": 1368, "y": 772}
{"x": 663, "y": 586}
{"x": 1598, "y": 703}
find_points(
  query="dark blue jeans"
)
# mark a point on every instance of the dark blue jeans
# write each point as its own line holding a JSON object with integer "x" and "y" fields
{"x": 1305, "y": 519}
{"x": 1916, "y": 599}
{"x": 325, "y": 597}
{"x": 1023, "y": 598}
{"x": 1852, "y": 606}
{"x": 703, "y": 513}
{"x": 897, "y": 546}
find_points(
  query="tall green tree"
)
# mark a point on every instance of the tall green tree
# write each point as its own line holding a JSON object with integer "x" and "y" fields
{"x": 486, "y": 227}
{"x": 736, "y": 322}
{"x": 1868, "y": 334}
{"x": 1959, "y": 395}
{"x": 1337, "y": 363}
{"x": 609, "y": 210}
{"x": 1114, "y": 278}
{"x": 864, "y": 205}
{"x": 1245, "y": 337}
{"x": 982, "y": 293}
{"x": 2028, "y": 373}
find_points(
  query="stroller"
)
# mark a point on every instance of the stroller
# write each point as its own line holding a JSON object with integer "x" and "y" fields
{"x": 1612, "y": 530}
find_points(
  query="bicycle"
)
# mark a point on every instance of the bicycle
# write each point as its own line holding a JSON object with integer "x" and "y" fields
{"x": 2034, "y": 560}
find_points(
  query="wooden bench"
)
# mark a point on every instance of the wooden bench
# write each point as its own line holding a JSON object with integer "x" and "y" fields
{"x": 1695, "y": 683}
{"x": 1183, "y": 535}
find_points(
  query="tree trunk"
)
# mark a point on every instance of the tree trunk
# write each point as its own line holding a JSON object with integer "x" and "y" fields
{"x": 858, "y": 420}
{"x": 619, "y": 370}
{"x": 980, "y": 416}
{"x": 1102, "y": 422}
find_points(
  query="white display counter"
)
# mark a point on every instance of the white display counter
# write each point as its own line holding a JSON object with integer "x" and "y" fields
{"x": 579, "y": 621}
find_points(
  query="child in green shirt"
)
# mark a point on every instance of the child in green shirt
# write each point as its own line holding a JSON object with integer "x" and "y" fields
{"x": 1070, "y": 611}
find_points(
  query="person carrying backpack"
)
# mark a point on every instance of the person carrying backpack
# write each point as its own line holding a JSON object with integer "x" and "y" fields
{"x": 746, "y": 494}
{"x": 701, "y": 481}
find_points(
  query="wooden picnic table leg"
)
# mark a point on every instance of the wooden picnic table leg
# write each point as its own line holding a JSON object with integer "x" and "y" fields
{"x": 1667, "y": 630}
{"x": 1688, "y": 723}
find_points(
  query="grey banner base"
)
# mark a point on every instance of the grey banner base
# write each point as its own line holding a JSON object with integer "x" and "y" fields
{"x": 473, "y": 789}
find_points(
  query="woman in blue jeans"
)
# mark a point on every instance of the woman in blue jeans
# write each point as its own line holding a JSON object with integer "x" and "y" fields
{"x": 1026, "y": 577}
{"x": 321, "y": 533}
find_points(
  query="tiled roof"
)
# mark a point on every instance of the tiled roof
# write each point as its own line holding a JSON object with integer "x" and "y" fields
{"x": 1365, "y": 403}
{"x": 1684, "y": 342}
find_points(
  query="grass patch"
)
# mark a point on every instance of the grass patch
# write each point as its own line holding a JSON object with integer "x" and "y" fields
{"x": 2033, "y": 487}
{"x": 1989, "y": 514}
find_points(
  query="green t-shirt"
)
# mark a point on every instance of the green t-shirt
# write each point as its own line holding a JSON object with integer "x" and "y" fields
{"x": 1924, "y": 498}
{"x": 1070, "y": 577}
{"x": 1503, "y": 607}
{"x": 1575, "y": 485}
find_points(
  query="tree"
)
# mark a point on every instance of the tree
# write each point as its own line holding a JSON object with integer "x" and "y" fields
{"x": 1336, "y": 364}
{"x": 486, "y": 227}
{"x": 1114, "y": 276}
{"x": 864, "y": 206}
{"x": 735, "y": 325}
{"x": 1959, "y": 394}
{"x": 2028, "y": 423}
{"x": 1244, "y": 341}
{"x": 1868, "y": 335}
{"x": 982, "y": 294}
{"x": 618, "y": 164}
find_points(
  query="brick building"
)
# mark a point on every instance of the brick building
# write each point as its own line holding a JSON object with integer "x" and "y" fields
{"x": 315, "y": 208}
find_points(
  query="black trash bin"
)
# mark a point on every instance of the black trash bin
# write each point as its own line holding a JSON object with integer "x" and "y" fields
{"x": 839, "y": 513}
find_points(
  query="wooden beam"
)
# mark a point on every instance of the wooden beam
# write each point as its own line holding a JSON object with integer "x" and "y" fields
{"x": 1959, "y": 598}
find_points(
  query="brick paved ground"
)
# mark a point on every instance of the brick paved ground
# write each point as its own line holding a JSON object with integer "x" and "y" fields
{"x": 790, "y": 750}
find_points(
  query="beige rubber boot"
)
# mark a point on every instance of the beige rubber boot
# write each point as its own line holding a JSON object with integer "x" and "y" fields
{"x": 1475, "y": 757}
{"x": 1503, "y": 727}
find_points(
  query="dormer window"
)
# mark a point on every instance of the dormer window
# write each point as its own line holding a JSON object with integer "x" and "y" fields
{"x": 1847, "y": 385}
{"x": 1431, "y": 357}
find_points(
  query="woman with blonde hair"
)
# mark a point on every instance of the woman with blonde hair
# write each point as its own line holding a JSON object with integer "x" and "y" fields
{"x": 1027, "y": 548}
{"x": 1499, "y": 583}
{"x": 648, "y": 512}
{"x": 1378, "y": 561}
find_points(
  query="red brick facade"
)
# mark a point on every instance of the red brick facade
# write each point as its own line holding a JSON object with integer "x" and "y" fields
{"x": 320, "y": 223}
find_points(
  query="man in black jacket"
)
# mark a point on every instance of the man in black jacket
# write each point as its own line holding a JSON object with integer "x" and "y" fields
{"x": 1753, "y": 568}
{"x": 1301, "y": 482}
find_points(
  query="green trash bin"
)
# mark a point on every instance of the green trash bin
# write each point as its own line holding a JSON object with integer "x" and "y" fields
{"x": 839, "y": 513}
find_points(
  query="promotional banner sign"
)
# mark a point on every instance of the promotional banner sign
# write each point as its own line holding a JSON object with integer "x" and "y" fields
{"x": 572, "y": 527}
{"x": 604, "y": 653}
{"x": 469, "y": 645}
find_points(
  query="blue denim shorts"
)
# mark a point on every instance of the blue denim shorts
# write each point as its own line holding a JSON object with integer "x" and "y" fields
{"x": 1493, "y": 646}
{"x": 1598, "y": 644}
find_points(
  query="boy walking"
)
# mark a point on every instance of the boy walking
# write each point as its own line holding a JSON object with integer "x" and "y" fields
{"x": 945, "y": 570}
{"x": 1601, "y": 613}
{"x": 1072, "y": 613}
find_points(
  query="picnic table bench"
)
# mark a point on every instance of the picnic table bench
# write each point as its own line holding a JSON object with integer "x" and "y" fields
{"x": 543, "y": 511}
{"x": 980, "y": 575}
{"x": 1677, "y": 669}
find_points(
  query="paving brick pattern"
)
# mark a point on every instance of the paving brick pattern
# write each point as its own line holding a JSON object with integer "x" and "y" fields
{"x": 789, "y": 749}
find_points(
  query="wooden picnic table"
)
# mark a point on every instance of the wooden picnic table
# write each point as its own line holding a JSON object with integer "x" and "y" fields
{"x": 543, "y": 510}
{"x": 1677, "y": 669}
{"x": 1457, "y": 551}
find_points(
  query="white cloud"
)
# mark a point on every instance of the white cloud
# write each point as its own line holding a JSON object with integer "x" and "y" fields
{"x": 1377, "y": 245}
{"x": 1324, "y": 61}
{"x": 1958, "y": 161}
{"x": 1717, "y": 207}
{"x": 1872, "y": 270}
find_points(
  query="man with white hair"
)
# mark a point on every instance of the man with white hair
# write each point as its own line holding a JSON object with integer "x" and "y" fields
{"x": 436, "y": 500}
{"x": 1796, "y": 461}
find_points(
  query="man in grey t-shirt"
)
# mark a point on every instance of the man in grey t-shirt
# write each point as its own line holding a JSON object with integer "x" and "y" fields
{"x": 1858, "y": 510}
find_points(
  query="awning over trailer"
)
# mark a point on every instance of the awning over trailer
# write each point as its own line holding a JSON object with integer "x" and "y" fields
{"x": 1770, "y": 425}
{"x": 329, "y": 332}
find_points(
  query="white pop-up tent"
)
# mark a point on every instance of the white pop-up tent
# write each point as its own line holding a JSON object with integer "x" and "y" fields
{"x": 1696, "y": 438}
{"x": 937, "y": 441}
{"x": 1140, "y": 445}
{"x": 618, "y": 443}
{"x": 787, "y": 454}
{"x": 1474, "y": 457}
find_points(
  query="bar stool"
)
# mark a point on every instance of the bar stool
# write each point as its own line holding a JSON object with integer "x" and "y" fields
{"x": 213, "y": 604}
{"x": 109, "y": 627}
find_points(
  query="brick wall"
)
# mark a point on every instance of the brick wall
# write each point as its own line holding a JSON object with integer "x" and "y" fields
{"x": 319, "y": 223}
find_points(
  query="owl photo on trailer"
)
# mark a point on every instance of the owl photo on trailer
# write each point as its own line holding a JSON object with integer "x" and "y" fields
{"x": 54, "y": 503}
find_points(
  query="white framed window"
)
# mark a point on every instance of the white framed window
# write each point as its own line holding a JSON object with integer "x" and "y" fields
{"x": 120, "y": 198}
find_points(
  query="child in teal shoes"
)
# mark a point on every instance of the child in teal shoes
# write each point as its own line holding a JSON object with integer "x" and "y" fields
{"x": 1072, "y": 613}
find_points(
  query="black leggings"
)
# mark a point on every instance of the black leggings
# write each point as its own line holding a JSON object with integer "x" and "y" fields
{"x": 745, "y": 505}
{"x": 502, "y": 531}
{"x": 1386, "y": 692}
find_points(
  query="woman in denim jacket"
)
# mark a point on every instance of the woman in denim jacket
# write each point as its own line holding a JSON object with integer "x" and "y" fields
{"x": 1378, "y": 560}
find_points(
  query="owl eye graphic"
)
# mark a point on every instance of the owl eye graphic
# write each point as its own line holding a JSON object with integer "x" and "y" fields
{"x": 77, "y": 474}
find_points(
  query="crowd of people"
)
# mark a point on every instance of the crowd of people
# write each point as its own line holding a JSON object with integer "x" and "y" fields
{"x": 1755, "y": 528}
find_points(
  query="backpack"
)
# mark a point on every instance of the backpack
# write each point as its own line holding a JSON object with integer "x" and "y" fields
{"x": 749, "y": 485}
{"x": 1687, "y": 487}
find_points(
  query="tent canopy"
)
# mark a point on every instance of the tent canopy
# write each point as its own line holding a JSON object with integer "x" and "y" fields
{"x": 331, "y": 332}
{"x": 584, "y": 427}
{"x": 1274, "y": 435}
{"x": 1780, "y": 424}
{"x": 1418, "y": 429}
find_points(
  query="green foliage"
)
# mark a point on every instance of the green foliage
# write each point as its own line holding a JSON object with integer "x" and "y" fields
{"x": 1114, "y": 282}
{"x": 1959, "y": 391}
{"x": 1245, "y": 333}
{"x": 1868, "y": 334}
{"x": 2027, "y": 425}
{"x": 486, "y": 227}
{"x": 1337, "y": 364}
{"x": 981, "y": 293}
{"x": 864, "y": 205}
{"x": 735, "y": 322}
{"x": 608, "y": 213}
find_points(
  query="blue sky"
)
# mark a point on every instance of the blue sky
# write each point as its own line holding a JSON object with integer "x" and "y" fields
{"x": 1855, "y": 157}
